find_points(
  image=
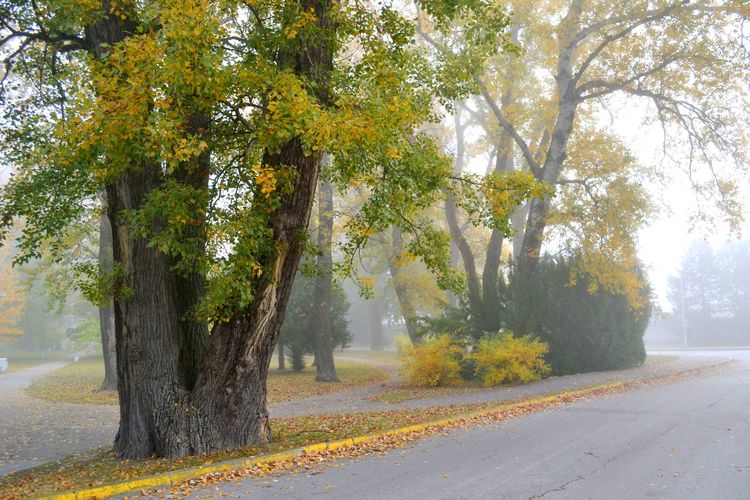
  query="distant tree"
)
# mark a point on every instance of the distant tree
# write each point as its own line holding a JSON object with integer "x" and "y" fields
{"x": 298, "y": 334}
{"x": 12, "y": 298}
{"x": 710, "y": 294}
{"x": 696, "y": 289}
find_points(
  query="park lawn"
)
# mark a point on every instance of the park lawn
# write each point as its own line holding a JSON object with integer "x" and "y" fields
{"x": 21, "y": 359}
{"x": 657, "y": 359}
{"x": 400, "y": 394}
{"x": 79, "y": 382}
{"x": 385, "y": 356}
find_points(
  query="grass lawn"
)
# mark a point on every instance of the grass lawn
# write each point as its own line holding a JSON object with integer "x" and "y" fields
{"x": 387, "y": 356}
{"x": 401, "y": 394}
{"x": 20, "y": 359}
{"x": 79, "y": 382}
{"x": 657, "y": 359}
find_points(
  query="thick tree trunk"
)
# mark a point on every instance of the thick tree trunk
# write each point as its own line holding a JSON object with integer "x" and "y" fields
{"x": 181, "y": 391}
{"x": 325, "y": 369}
{"x": 405, "y": 304}
{"x": 107, "y": 313}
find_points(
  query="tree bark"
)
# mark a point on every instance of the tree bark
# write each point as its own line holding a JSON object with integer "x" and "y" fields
{"x": 568, "y": 100}
{"x": 325, "y": 368}
{"x": 107, "y": 313}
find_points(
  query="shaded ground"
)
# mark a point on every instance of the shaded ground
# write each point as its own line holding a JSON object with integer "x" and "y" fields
{"x": 682, "y": 440}
{"x": 33, "y": 431}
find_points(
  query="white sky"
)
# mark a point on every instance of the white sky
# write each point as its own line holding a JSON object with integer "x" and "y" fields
{"x": 663, "y": 241}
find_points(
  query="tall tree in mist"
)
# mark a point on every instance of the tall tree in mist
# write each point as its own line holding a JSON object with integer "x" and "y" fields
{"x": 12, "y": 298}
{"x": 683, "y": 61}
{"x": 325, "y": 368}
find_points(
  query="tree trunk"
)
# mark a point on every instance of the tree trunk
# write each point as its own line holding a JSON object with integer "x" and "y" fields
{"x": 451, "y": 216}
{"x": 107, "y": 313}
{"x": 568, "y": 100}
{"x": 375, "y": 310}
{"x": 405, "y": 303}
{"x": 325, "y": 369}
{"x": 282, "y": 359}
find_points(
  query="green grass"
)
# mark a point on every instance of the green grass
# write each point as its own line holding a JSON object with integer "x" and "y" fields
{"x": 401, "y": 394}
{"x": 387, "y": 356}
{"x": 658, "y": 359}
{"x": 21, "y": 359}
{"x": 79, "y": 382}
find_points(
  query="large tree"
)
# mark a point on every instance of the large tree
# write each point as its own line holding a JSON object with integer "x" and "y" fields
{"x": 207, "y": 123}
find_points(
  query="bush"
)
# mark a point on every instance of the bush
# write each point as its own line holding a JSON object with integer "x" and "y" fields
{"x": 505, "y": 359}
{"x": 585, "y": 331}
{"x": 434, "y": 363}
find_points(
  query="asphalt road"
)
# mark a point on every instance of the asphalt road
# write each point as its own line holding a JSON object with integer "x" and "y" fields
{"x": 684, "y": 440}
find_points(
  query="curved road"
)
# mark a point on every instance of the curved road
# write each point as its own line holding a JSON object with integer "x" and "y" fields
{"x": 683, "y": 440}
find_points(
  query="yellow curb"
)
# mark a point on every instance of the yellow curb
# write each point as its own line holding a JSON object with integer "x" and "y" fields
{"x": 177, "y": 476}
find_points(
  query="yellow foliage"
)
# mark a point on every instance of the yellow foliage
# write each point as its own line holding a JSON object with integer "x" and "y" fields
{"x": 433, "y": 364}
{"x": 265, "y": 179}
{"x": 504, "y": 359}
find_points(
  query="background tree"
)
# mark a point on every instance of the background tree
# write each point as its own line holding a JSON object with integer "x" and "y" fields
{"x": 709, "y": 294}
{"x": 298, "y": 332}
{"x": 579, "y": 58}
{"x": 322, "y": 311}
{"x": 12, "y": 298}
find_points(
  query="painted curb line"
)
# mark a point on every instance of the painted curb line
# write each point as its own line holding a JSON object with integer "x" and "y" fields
{"x": 172, "y": 478}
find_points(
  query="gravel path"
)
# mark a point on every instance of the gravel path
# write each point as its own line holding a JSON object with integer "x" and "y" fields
{"x": 34, "y": 431}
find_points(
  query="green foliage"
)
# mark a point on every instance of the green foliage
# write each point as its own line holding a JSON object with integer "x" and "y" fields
{"x": 505, "y": 359}
{"x": 434, "y": 363}
{"x": 586, "y": 329}
{"x": 88, "y": 331}
{"x": 297, "y": 330}
{"x": 199, "y": 87}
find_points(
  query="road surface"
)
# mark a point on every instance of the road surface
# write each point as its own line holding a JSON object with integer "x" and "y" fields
{"x": 684, "y": 440}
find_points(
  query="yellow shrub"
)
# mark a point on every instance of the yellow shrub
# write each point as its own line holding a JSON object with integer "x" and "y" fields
{"x": 402, "y": 342}
{"x": 504, "y": 359}
{"x": 432, "y": 364}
